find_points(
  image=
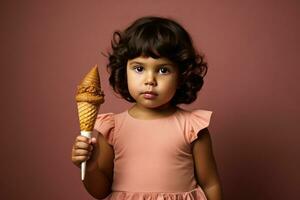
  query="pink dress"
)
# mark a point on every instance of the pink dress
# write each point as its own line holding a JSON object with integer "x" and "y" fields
{"x": 153, "y": 158}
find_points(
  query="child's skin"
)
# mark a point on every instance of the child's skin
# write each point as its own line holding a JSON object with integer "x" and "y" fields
{"x": 152, "y": 83}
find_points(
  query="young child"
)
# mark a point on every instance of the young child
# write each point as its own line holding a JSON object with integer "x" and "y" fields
{"x": 154, "y": 150}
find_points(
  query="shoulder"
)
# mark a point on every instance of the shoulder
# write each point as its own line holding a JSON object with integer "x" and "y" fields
{"x": 194, "y": 122}
{"x": 108, "y": 124}
{"x": 110, "y": 117}
{"x": 196, "y": 113}
{"x": 195, "y": 118}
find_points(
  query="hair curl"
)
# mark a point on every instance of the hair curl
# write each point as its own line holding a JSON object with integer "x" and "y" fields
{"x": 157, "y": 37}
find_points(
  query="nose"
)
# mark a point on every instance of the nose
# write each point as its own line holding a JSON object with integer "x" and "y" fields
{"x": 150, "y": 80}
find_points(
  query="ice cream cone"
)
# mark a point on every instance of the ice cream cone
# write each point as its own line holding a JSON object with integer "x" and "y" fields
{"x": 89, "y": 98}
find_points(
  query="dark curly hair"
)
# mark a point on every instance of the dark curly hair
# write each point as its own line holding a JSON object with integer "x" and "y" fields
{"x": 157, "y": 37}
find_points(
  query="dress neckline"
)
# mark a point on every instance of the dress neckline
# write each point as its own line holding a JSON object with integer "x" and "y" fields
{"x": 154, "y": 119}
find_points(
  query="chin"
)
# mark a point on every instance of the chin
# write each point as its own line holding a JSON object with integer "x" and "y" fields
{"x": 156, "y": 106}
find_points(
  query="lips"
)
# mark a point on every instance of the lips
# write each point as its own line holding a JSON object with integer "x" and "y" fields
{"x": 149, "y": 94}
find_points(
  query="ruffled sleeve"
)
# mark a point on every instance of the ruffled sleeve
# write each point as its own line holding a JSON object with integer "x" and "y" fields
{"x": 105, "y": 124}
{"x": 197, "y": 120}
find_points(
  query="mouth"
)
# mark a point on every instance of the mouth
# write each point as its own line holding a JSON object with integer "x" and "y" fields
{"x": 149, "y": 95}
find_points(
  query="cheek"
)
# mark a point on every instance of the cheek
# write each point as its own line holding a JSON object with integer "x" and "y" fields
{"x": 131, "y": 84}
{"x": 170, "y": 86}
{"x": 174, "y": 82}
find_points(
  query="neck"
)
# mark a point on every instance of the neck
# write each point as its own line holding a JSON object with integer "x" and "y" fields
{"x": 141, "y": 112}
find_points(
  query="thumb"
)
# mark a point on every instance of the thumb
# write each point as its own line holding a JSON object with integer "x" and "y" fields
{"x": 93, "y": 140}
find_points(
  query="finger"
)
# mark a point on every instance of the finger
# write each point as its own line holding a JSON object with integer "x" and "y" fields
{"x": 82, "y": 152}
{"x": 79, "y": 159}
{"x": 81, "y": 138}
{"x": 81, "y": 145}
{"x": 93, "y": 140}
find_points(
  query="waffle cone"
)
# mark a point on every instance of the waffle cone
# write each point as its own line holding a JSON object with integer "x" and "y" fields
{"x": 87, "y": 113}
{"x": 92, "y": 78}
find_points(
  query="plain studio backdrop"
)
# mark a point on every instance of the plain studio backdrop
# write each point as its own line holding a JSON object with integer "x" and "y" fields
{"x": 252, "y": 86}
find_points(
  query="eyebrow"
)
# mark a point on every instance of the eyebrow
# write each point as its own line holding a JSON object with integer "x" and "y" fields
{"x": 141, "y": 63}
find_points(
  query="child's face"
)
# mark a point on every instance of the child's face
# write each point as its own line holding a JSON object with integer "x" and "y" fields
{"x": 152, "y": 82}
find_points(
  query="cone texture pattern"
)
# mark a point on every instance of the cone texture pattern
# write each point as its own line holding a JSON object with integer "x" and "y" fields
{"x": 87, "y": 115}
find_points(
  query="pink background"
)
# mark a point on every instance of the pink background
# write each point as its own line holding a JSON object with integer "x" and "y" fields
{"x": 252, "y": 48}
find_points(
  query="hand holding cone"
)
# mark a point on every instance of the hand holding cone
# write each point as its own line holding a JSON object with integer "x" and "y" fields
{"x": 89, "y": 97}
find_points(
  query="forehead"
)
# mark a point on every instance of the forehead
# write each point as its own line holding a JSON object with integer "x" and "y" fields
{"x": 150, "y": 60}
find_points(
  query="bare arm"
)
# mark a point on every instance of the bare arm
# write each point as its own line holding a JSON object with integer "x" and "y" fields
{"x": 205, "y": 166}
{"x": 99, "y": 172}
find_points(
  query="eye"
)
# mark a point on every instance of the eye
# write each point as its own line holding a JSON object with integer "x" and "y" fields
{"x": 138, "y": 68}
{"x": 164, "y": 70}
